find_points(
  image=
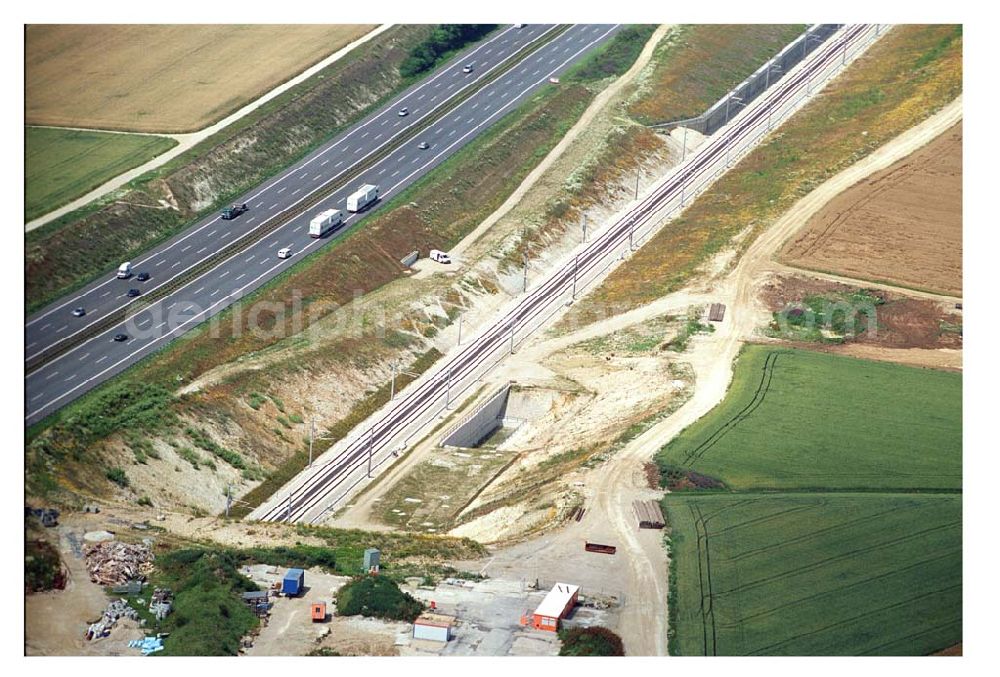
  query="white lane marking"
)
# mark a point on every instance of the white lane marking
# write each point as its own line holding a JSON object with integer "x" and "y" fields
{"x": 258, "y": 204}
{"x": 338, "y": 164}
{"x": 201, "y": 250}
{"x": 176, "y": 263}
{"x": 51, "y": 376}
{"x": 323, "y": 163}
{"x": 160, "y": 262}
{"x": 251, "y": 219}
{"x": 250, "y": 258}
{"x": 438, "y": 130}
{"x": 69, "y": 378}
{"x": 272, "y": 206}
{"x": 393, "y": 175}
{"x": 242, "y": 275}
{"x": 83, "y": 357}
{"x": 214, "y": 293}
{"x": 213, "y": 232}
{"x": 199, "y": 290}
{"x": 224, "y": 274}
{"x": 226, "y": 234}
{"x": 46, "y": 326}
{"x": 36, "y": 397}
{"x": 282, "y": 189}
{"x": 171, "y": 305}
{"x": 103, "y": 357}
{"x": 184, "y": 249}
{"x": 105, "y": 293}
{"x": 317, "y": 177}
{"x": 33, "y": 343}
{"x": 379, "y": 136}
{"x": 272, "y": 184}
{"x": 296, "y": 191}
{"x": 60, "y": 329}
{"x": 420, "y": 98}
{"x": 364, "y": 135}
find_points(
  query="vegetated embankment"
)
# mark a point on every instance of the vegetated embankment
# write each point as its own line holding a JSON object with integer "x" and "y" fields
{"x": 904, "y": 78}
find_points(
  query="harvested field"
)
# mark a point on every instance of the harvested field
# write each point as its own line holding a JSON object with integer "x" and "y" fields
{"x": 902, "y": 225}
{"x": 60, "y": 165}
{"x": 905, "y": 77}
{"x": 898, "y": 321}
{"x": 805, "y": 420}
{"x": 163, "y": 78}
{"x": 816, "y": 574}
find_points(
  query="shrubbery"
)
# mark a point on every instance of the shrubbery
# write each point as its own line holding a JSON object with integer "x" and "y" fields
{"x": 445, "y": 39}
{"x": 593, "y": 641}
{"x": 377, "y": 596}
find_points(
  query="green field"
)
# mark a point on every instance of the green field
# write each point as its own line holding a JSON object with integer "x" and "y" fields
{"x": 816, "y": 574}
{"x": 60, "y": 165}
{"x": 796, "y": 419}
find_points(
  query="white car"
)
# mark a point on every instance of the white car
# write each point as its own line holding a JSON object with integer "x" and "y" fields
{"x": 440, "y": 256}
{"x": 284, "y": 253}
{"x": 403, "y": 112}
{"x": 467, "y": 68}
{"x": 520, "y": 25}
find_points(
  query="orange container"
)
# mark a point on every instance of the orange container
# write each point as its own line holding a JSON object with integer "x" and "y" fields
{"x": 319, "y": 612}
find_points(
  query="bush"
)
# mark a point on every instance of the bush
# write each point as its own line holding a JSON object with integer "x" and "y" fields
{"x": 118, "y": 476}
{"x": 445, "y": 39}
{"x": 593, "y": 641}
{"x": 42, "y": 568}
{"x": 379, "y": 597}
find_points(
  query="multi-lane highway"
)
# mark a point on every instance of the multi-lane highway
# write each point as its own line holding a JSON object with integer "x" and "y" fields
{"x": 313, "y": 494}
{"x": 200, "y": 272}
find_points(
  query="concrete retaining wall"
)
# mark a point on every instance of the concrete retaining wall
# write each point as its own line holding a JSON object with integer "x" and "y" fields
{"x": 478, "y": 425}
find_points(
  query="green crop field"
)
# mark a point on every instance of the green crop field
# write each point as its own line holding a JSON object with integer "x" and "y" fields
{"x": 797, "y": 419}
{"x": 816, "y": 574}
{"x": 60, "y": 165}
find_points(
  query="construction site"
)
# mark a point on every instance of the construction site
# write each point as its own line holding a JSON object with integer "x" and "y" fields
{"x": 484, "y": 453}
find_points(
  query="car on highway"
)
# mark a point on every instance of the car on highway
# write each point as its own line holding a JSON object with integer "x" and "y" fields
{"x": 119, "y": 338}
{"x": 132, "y": 293}
{"x": 284, "y": 253}
{"x": 232, "y": 212}
{"x": 467, "y": 68}
{"x": 125, "y": 271}
{"x": 423, "y": 145}
{"x": 79, "y": 312}
{"x": 520, "y": 25}
{"x": 142, "y": 277}
{"x": 403, "y": 112}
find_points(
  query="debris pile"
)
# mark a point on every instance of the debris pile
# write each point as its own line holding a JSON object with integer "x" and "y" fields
{"x": 114, "y": 562}
{"x": 147, "y": 645}
{"x": 160, "y": 603}
{"x": 118, "y": 609}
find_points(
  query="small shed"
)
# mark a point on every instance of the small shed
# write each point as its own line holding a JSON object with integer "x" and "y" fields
{"x": 293, "y": 582}
{"x": 257, "y": 601}
{"x": 716, "y": 312}
{"x": 556, "y": 605}
{"x": 434, "y": 627}
{"x": 371, "y": 560}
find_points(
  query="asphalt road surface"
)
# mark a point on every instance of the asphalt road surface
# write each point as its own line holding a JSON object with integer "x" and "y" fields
{"x": 316, "y": 492}
{"x": 150, "y": 327}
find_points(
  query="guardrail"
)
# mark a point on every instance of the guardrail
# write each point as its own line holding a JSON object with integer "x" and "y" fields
{"x": 278, "y": 220}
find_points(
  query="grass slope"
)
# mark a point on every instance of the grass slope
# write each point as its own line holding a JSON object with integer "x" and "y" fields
{"x": 60, "y": 165}
{"x": 816, "y": 574}
{"x": 799, "y": 419}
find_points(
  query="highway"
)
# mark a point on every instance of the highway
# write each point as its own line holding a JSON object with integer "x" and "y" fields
{"x": 319, "y": 490}
{"x": 381, "y": 149}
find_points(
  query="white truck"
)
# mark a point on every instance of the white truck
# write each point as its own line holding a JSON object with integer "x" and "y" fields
{"x": 325, "y": 221}
{"x": 440, "y": 256}
{"x": 125, "y": 271}
{"x": 362, "y": 197}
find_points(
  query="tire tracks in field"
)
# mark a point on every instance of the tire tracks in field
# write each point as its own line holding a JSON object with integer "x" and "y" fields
{"x": 767, "y": 374}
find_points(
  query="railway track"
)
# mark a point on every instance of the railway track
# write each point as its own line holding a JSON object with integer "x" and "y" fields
{"x": 333, "y": 475}
{"x": 278, "y": 220}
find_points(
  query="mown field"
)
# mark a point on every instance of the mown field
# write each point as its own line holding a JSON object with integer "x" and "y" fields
{"x": 60, "y": 165}
{"x": 817, "y": 574}
{"x": 164, "y": 78}
{"x": 795, "y": 419}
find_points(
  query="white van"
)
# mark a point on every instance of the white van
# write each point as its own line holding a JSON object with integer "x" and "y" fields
{"x": 284, "y": 253}
{"x": 125, "y": 270}
{"x": 325, "y": 221}
{"x": 440, "y": 256}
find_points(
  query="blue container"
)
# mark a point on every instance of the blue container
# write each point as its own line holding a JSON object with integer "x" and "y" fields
{"x": 293, "y": 582}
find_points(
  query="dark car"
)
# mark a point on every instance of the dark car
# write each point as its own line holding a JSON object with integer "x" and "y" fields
{"x": 121, "y": 337}
{"x": 142, "y": 277}
{"x": 79, "y": 312}
{"x": 234, "y": 211}
{"x": 132, "y": 293}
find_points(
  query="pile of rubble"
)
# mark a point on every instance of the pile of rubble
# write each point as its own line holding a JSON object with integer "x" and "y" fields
{"x": 148, "y": 645}
{"x": 118, "y": 609}
{"x": 160, "y": 603}
{"x": 114, "y": 562}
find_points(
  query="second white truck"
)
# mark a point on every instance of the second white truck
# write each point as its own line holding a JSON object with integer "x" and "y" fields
{"x": 362, "y": 197}
{"x": 325, "y": 221}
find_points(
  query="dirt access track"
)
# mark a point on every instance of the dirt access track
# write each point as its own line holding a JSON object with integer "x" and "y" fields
{"x": 163, "y": 78}
{"x": 902, "y": 225}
